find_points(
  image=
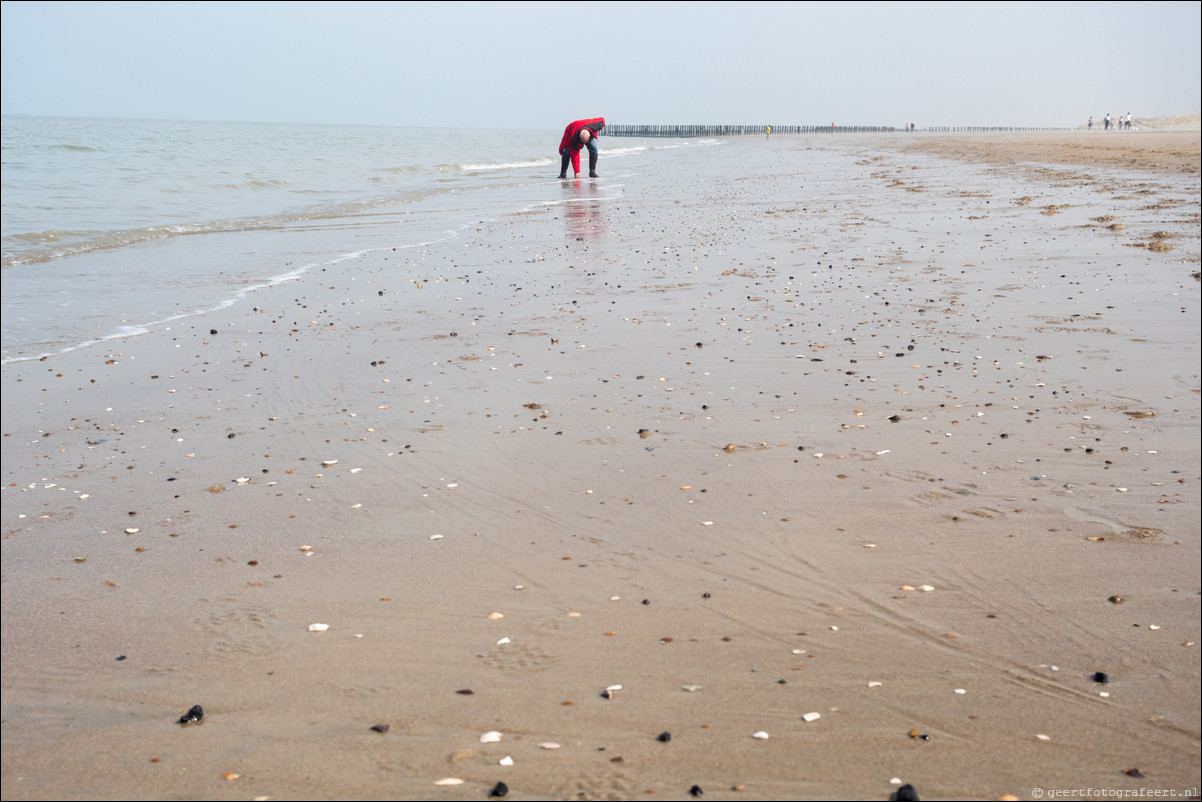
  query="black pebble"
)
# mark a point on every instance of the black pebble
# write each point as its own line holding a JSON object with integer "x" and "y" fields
{"x": 904, "y": 794}
{"x": 192, "y": 716}
{"x": 664, "y": 737}
{"x": 696, "y": 791}
{"x": 646, "y": 601}
{"x": 212, "y": 331}
{"x": 705, "y": 595}
{"x": 499, "y": 790}
{"x": 380, "y": 727}
{"x": 1101, "y": 676}
{"x": 120, "y": 658}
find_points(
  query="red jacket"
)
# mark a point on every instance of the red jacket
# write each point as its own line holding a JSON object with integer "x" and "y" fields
{"x": 572, "y": 140}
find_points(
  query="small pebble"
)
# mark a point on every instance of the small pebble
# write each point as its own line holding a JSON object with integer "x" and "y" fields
{"x": 380, "y": 727}
{"x": 664, "y": 737}
{"x": 499, "y": 790}
{"x": 195, "y": 714}
{"x": 696, "y": 791}
{"x": 1101, "y": 676}
{"x": 905, "y": 794}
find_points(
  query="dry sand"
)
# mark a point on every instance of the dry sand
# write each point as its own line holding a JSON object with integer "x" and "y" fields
{"x": 707, "y": 441}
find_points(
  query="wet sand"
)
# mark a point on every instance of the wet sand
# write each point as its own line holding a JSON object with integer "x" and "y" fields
{"x": 707, "y": 430}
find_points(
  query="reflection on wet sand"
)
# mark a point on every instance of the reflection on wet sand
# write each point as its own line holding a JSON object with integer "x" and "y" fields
{"x": 584, "y": 210}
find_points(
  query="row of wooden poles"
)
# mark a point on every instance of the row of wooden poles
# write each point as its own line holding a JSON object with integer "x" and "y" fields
{"x": 763, "y": 130}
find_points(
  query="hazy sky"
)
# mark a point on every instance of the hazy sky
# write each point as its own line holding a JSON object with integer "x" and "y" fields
{"x": 539, "y": 65}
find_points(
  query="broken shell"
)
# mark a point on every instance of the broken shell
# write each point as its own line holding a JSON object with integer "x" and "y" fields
{"x": 812, "y": 716}
{"x": 763, "y": 736}
{"x": 449, "y": 781}
{"x": 506, "y": 761}
{"x": 318, "y": 627}
{"x": 495, "y": 616}
{"x": 491, "y": 737}
{"x": 328, "y": 462}
{"x": 548, "y": 745}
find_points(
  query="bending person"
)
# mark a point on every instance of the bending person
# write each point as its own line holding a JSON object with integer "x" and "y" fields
{"x": 577, "y": 136}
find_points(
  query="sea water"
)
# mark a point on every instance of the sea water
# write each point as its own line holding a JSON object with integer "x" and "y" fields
{"x": 112, "y": 228}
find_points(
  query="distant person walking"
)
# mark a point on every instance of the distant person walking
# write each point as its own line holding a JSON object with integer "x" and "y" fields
{"x": 768, "y": 129}
{"x": 577, "y": 136}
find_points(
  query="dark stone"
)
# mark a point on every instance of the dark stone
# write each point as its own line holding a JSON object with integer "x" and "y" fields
{"x": 192, "y": 716}
{"x": 380, "y": 727}
{"x": 1100, "y": 676}
{"x": 499, "y": 790}
{"x": 664, "y": 737}
{"x": 904, "y": 794}
{"x": 696, "y": 791}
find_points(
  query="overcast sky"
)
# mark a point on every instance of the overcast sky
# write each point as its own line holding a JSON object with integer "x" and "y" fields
{"x": 537, "y": 65}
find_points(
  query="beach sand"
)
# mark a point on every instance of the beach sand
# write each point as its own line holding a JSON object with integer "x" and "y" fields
{"x": 900, "y": 432}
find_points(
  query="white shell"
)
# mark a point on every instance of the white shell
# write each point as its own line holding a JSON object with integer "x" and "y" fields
{"x": 548, "y": 745}
{"x": 763, "y": 736}
{"x": 506, "y": 761}
{"x": 490, "y": 737}
{"x": 318, "y": 627}
{"x": 449, "y": 781}
{"x": 812, "y": 716}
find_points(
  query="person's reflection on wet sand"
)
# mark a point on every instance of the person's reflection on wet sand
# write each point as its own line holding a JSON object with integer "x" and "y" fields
{"x": 584, "y": 209}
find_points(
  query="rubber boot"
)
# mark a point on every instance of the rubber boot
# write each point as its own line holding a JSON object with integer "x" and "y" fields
{"x": 563, "y": 165}
{"x": 592, "y": 165}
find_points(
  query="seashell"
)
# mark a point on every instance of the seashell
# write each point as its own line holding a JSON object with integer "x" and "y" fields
{"x": 449, "y": 781}
{"x": 506, "y": 761}
{"x": 436, "y": 537}
{"x": 763, "y": 736}
{"x": 318, "y": 627}
{"x": 328, "y": 462}
{"x": 132, "y": 531}
{"x": 495, "y": 616}
{"x": 242, "y": 480}
{"x": 503, "y": 641}
{"x": 1043, "y": 737}
{"x": 811, "y": 716}
{"x": 491, "y": 737}
{"x": 874, "y": 684}
{"x": 548, "y": 745}
{"x": 690, "y": 688}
